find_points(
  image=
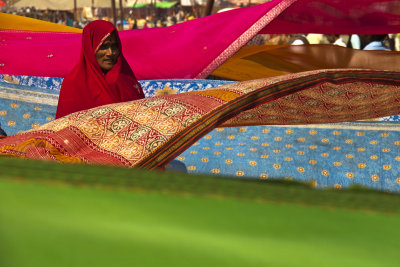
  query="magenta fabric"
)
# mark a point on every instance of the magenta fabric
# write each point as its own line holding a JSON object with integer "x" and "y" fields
{"x": 338, "y": 17}
{"x": 86, "y": 86}
{"x": 183, "y": 50}
{"x": 196, "y": 48}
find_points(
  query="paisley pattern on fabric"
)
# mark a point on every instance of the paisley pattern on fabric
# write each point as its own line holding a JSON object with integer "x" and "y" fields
{"x": 151, "y": 132}
{"x": 327, "y": 155}
{"x": 27, "y": 102}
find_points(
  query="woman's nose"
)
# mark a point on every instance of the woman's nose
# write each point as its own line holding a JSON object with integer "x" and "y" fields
{"x": 109, "y": 51}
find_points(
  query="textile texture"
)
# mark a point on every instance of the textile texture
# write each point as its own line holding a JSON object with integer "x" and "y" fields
{"x": 21, "y": 23}
{"x": 335, "y": 155}
{"x": 25, "y": 107}
{"x": 256, "y": 62}
{"x": 195, "y": 48}
{"x": 338, "y": 17}
{"x": 154, "y": 53}
{"x": 348, "y": 153}
{"x": 28, "y": 102}
{"x": 150, "y": 132}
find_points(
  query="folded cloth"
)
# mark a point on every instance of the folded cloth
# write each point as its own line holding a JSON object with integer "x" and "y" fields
{"x": 151, "y": 132}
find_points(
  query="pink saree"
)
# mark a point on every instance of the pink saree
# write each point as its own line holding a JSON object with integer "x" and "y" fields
{"x": 196, "y": 48}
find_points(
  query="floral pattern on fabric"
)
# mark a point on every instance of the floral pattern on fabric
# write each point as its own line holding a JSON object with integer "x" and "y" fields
{"x": 331, "y": 155}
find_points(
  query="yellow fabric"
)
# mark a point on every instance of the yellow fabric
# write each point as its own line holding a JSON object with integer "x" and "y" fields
{"x": 14, "y": 22}
{"x": 223, "y": 95}
{"x": 37, "y": 144}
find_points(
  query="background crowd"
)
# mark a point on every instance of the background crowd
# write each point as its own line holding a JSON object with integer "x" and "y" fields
{"x": 364, "y": 42}
{"x": 146, "y": 17}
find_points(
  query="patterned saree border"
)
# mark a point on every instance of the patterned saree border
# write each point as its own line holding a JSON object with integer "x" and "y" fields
{"x": 28, "y": 96}
{"x": 58, "y": 151}
{"x": 98, "y": 149}
{"x": 55, "y": 150}
{"x": 182, "y": 140}
{"x": 359, "y": 126}
{"x": 245, "y": 37}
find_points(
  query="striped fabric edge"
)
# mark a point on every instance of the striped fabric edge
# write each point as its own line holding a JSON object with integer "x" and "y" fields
{"x": 245, "y": 37}
{"x": 98, "y": 155}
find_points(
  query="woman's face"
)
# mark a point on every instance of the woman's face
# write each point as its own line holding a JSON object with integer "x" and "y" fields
{"x": 108, "y": 53}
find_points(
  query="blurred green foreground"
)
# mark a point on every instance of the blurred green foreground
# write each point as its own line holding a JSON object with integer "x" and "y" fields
{"x": 79, "y": 215}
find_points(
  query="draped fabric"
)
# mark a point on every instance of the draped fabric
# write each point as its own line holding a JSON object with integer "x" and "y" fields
{"x": 194, "y": 49}
{"x": 150, "y": 132}
{"x": 86, "y": 86}
{"x": 28, "y": 102}
{"x": 329, "y": 155}
{"x": 20, "y": 23}
{"x": 186, "y": 50}
{"x": 255, "y": 62}
{"x": 338, "y": 17}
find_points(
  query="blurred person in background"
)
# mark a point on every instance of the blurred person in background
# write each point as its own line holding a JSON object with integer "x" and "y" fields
{"x": 374, "y": 42}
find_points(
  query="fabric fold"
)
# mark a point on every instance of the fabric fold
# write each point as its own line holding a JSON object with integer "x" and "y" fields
{"x": 148, "y": 133}
{"x": 195, "y": 48}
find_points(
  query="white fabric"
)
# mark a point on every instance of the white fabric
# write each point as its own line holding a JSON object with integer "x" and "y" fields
{"x": 340, "y": 42}
{"x": 61, "y": 4}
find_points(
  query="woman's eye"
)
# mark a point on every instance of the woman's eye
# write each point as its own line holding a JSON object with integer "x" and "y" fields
{"x": 104, "y": 46}
{"x": 107, "y": 46}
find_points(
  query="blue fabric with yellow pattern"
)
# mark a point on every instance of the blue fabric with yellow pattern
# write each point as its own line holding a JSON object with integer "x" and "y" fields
{"x": 24, "y": 107}
{"x": 326, "y": 155}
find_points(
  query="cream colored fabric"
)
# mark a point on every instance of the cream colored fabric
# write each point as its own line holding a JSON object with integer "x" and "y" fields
{"x": 62, "y": 4}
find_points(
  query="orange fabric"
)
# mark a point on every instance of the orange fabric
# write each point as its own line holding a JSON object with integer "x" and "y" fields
{"x": 20, "y": 23}
{"x": 255, "y": 62}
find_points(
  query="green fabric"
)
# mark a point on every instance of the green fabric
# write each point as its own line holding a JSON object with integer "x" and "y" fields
{"x": 139, "y": 5}
{"x": 157, "y": 4}
{"x": 76, "y": 215}
{"x": 165, "y": 4}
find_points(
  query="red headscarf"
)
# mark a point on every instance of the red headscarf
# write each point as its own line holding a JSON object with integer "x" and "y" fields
{"x": 86, "y": 86}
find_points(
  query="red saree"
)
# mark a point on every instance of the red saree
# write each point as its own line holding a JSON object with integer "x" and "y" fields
{"x": 86, "y": 86}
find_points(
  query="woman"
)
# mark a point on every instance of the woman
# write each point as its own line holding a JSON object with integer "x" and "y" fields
{"x": 102, "y": 75}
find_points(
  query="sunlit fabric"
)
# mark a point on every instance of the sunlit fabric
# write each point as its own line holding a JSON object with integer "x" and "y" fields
{"x": 27, "y": 102}
{"x": 255, "y": 62}
{"x": 154, "y": 53}
{"x": 151, "y": 132}
{"x": 326, "y": 155}
{"x": 20, "y": 23}
{"x": 338, "y": 17}
{"x": 195, "y": 48}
